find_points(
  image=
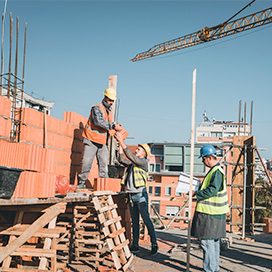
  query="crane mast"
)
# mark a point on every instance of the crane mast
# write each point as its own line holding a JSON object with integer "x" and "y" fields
{"x": 208, "y": 34}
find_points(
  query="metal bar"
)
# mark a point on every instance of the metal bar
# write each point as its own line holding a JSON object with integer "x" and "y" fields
{"x": 245, "y": 106}
{"x": 244, "y": 193}
{"x": 16, "y": 59}
{"x": 251, "y": 116}
{"x": 10, "y": 52}
{"x": 269, "y": 179}
{"x": 22, "y": 88}
{"x": 176, "y": 215}
{"x": 158, "y": 215}
{"x": 191, "y": 169}
{"x": 24, "y": 58}
{"x": 239, "y": 117}
{"x": 2, "y": 52}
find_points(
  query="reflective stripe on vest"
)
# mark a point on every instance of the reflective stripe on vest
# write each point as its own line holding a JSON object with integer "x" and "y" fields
{"x": 95, "y": 133}
{"x": 217, "y": 204}
{"x": 139, "y": 177}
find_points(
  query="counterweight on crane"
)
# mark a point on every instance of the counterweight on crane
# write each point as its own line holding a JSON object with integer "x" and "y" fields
{"x": 208, "y": 34}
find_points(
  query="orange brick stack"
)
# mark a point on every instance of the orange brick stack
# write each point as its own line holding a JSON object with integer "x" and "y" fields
{"x": 48, "y": 148}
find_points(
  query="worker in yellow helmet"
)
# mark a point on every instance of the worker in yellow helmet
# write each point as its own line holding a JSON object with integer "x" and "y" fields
{"x": 134, "y": 183}
{"x": 99, "y": 126}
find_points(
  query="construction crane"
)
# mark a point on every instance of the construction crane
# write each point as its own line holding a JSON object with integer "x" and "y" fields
{"x": 208, "y": 34}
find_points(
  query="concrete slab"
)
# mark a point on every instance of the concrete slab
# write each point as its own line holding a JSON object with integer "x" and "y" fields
{"x": 243, "y": 256}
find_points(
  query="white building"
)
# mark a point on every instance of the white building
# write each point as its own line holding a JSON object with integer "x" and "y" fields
{"x": 215, "y": 131}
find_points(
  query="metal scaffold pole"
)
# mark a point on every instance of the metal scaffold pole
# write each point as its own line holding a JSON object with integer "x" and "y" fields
{"x": 244, "y": 192}
{"x": 191, "y": 169}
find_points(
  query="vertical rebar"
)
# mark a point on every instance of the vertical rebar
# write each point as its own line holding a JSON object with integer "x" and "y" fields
{"x": 239, "y": 116}
{"x": 244, "y": 192}
{"x": 2, "y": 53}
{"x": 245, "y": 106}
{"x": 10, "y": 52}
{"x": 22, "y": 88}
{"x": 24, "y": 58}
{"x": 16, "y": 59}
{"x": 251, "y": 117}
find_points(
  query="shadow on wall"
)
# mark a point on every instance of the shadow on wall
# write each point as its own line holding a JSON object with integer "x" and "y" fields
{"x": 76, "y": 154}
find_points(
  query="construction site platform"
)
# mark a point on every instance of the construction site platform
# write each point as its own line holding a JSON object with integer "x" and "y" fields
{"x": 82, "y": 196}
{"x": 254, "y": 254}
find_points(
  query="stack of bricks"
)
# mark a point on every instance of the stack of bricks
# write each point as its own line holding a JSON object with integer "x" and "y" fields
{"x": 48, "y": 148}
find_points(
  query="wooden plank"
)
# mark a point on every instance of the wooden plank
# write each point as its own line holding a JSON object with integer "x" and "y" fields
{"x": 47, "y": 243}
{"x": 119, "y": 226}
{"x": 37, "y": 234}
{"x": 107, "y": 208}
{"x": 21, "y": 270}
{"x": 106, "y": 231}
{"x": 127, "y": 265}
{"x": 120, "y": 246}
{"x": 50, "y": 213}
{"x": 117, "y": 233}
{"x": 112, "y": 221}
{"x": 34, "y": 252}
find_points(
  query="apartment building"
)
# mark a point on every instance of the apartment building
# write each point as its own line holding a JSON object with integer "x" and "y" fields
{"x": 168, "y": 162}
{"x": 213, "y": 131}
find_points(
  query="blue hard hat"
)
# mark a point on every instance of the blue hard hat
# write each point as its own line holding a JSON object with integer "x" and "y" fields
{"x": 207, "y": 150}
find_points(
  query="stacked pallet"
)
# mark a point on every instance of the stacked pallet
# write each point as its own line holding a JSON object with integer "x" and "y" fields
{"x": 89, "y": 241}
{"x": 112, "y": 229}
{"x": 54, "y": 236}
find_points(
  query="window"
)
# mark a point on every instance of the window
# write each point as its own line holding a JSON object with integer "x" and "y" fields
{"x": 171, "y": 210}
{"x": 157, "y": 191}
{"x": 216, "y": 134}
{"x": 150, "y": 190}
{"x": 168, "y": 191}
{"x": 157, "y": 151}
{"x": 155, "y": 167}
{"x": 174, "y": 168}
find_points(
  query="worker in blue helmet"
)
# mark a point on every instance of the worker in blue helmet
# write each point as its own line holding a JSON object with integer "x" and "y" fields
{"x": 207, "y": 150}
{"x": 209, "y": 222}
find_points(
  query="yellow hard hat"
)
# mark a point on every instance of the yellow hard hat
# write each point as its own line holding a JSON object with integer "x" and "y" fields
{"x": 146, "y": 149}
{"x": 110, "y": 93}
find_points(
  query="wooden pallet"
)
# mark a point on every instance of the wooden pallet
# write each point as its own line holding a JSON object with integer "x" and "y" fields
{"x": 113, "y": 231}
{"x": 88, "y": 238}
{"x": 48, "y": 237}
{"x": 32, "y": 245}
{"x": 65, "y": 241}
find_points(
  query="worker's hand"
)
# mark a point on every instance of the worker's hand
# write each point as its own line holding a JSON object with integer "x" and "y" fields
{"x": 118, "y": 127}
{"x": 118, "y": 137}
{"x": 112, "y": 132}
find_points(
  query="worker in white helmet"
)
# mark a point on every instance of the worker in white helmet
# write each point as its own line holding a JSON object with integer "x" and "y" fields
{"x": 134, "y": 183}
{"x": 95, "y": 135}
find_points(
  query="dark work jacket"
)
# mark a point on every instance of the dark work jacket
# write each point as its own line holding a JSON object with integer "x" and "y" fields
{"x": 206, "y": 226}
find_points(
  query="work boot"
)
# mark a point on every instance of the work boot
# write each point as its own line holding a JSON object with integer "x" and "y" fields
{"x": 154, "y": 249}
{"x": 134, "y": 248}
{"x": 81, "y": 185}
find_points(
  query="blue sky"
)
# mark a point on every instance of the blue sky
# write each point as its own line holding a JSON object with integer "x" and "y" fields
{"x": 73, "y": 46}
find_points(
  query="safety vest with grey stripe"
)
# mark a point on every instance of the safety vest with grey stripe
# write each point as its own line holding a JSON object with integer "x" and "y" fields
{"x": 217, "y": 204}
{"x": 139, "y": 177}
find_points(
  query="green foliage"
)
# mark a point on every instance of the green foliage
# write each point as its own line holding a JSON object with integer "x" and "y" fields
{"x": 263, "y": 198}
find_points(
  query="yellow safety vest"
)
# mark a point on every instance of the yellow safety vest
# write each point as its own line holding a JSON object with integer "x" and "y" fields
{"x": 217, "y": 204}
{"x": 139, "y": 177}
